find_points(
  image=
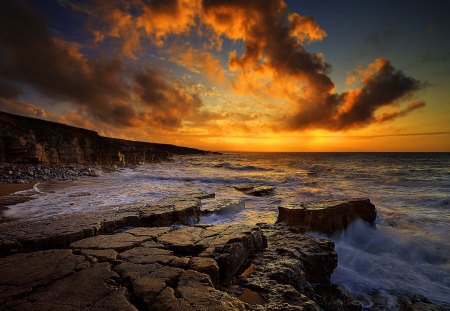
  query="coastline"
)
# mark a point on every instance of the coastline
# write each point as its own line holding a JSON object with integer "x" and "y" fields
{"x": 106, "y": 223}
{"x": 17, "y": 181}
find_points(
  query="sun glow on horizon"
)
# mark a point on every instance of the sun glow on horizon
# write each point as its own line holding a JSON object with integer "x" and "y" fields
{"x": 231, "y": 76}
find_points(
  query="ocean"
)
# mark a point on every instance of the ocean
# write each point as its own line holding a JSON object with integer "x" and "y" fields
{"x": 407, "y": 254}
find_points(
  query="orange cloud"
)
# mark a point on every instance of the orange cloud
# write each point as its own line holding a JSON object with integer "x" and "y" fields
{"x": 305, "y": 28}
{"x": 199, "y": 62}
{"x": 273, "y": 66}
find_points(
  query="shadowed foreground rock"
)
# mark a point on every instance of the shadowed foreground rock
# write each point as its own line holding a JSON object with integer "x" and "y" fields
{"x": 293, "y": 273}
{"x": 192, "y": 268}
{"x": 327, "y": 216}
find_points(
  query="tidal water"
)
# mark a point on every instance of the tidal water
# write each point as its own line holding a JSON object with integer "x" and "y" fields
{"x": 407, "y": 254}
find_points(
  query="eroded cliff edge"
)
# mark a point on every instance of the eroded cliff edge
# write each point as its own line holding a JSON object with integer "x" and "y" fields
{"x": 30, "y": 140}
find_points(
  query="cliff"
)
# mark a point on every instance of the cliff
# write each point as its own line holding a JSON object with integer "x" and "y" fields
{"x": 30, "y": 140}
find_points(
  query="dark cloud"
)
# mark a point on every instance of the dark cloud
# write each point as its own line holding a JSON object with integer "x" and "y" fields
{"x": 99, "y": 86}
{"x": 383, "y": 85}
{"x": 383, "y": 88}
{"x": 166, "y": 103}
{"x": 274, "y": 61}
{"x": 9, "y": 90}
{"x": 389, "y": 116}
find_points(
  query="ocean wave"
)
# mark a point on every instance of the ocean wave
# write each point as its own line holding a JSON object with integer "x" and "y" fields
{"x": 385, "y": 261}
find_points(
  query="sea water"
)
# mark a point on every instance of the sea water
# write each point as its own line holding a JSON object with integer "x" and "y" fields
{"x": 407, "y": 254}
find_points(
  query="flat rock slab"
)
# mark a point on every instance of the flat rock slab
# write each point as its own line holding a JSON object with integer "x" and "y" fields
{"x": 58, "y": 280}
{"x": 327, "y": 216}
{"x": 119, "y": 242}
{"x": 60, "y": 231}
{"x": 155, "y": 269}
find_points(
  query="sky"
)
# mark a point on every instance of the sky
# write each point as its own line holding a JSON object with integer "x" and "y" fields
{"x": 231, "y": 75}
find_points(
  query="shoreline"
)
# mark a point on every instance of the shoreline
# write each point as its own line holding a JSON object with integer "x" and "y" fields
{"x": 17, "y": 180}
{"x": 129, "y": 221}
{"x": 13, "y": 173}
{"x": 8, "y": 197}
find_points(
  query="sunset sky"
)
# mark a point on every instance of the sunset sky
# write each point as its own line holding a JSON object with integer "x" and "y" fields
{"x": 255, "y": 75}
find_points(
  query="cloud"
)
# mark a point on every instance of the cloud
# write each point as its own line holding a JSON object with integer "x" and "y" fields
{"x": 305, "y": 28}
{"x": 272, "y": 63}
{"x": 163, "y": 103}
{"x": 9, "y": 90}
{"x": 21, "y": 108}
{"x": 389, "y": 116}
{"x": 198, "y": 62}
{"x": 382, "y": 85}
{"x": 99, "y": 87}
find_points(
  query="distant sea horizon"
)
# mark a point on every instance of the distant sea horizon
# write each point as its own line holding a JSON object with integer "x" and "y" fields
{"x": 407, "y": 254}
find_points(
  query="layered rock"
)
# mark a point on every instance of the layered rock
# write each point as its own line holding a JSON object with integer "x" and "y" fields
{"x": 327, "y": 216}
{"x": 293, "y": 273}
{"x": 155, "y": 269}
{"x": 60, "y": 231}
{"x": 29, "y": 140}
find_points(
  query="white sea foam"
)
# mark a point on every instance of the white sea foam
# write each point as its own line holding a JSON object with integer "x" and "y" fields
{"x": 407, "y": 254}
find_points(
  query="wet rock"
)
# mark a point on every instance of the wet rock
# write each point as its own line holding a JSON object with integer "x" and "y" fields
{"x": 332, "y": 297}
{"x": 61, "y": 231}
{"x": 246, "y": 186}
{"x": 22, "y": 273}
{"x": 289, "y": 272}
{"x": 196, "y": 289}
{"x": 94, "y": 288}
{"x": 221, "y": 206}
{"x": 260, "y": 191}
{"x": 202, "y": 195}
{"x": 151, "y": 233}
{"x": 207, "y": 266}
{"x": 192, "y": 268}
{"x": 167, "y": 288}
{"x": 327, "y": 216}
{"x": 231, "y": 246}
{"x": 255, "y": 190}
{"x": 119, "y": 242}
{"x": 148, "y": 255}
{"x": 108, "y": 255}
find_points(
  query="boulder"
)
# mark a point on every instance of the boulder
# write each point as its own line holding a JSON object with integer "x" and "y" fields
{"x": 288, "y": 273}
{"x": 255, "y": 189}
{"x": 327, "y": 216}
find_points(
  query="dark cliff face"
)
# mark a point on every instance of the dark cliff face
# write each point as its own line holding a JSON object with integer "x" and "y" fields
{"x": 30, "y": 140}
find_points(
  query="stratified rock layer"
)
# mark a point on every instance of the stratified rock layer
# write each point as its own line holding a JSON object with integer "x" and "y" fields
{"x": 291, "y": 274}
{"x": 29, "y": 140}
{"x": 192, "y": 268}
{"x": 60, "y": 231}
{"x": 143, "y": 268}
{"x": 327, "y": 216}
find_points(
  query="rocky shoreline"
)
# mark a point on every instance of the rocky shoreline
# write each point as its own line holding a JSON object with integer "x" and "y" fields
{"x": 28, "y": 173}
{"x": 154, "y": 257}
